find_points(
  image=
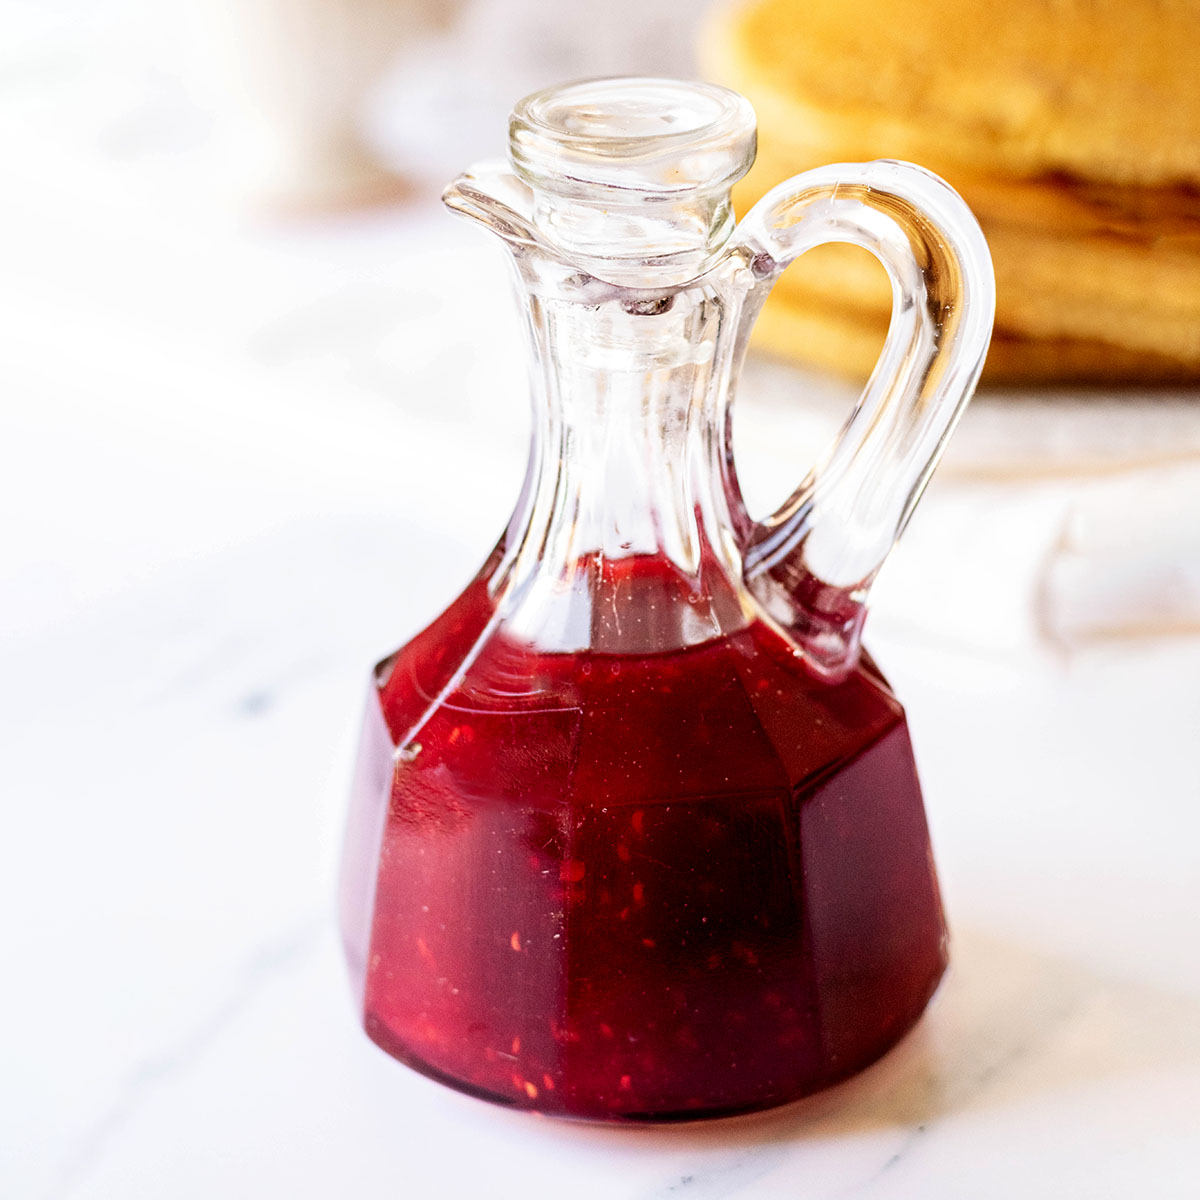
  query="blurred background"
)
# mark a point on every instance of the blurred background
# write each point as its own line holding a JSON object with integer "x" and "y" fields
{"x": 264, "y": 412}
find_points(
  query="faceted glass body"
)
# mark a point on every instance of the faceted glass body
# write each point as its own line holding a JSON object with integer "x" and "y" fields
{"x": 652, "y": 887}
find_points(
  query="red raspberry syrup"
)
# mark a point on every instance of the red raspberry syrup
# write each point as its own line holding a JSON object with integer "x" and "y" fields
{"x": 644, "y": 887}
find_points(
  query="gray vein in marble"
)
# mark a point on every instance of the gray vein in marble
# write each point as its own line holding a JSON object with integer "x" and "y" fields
{"x": 974, "y": 1085}
{"x": 276, "y": 956}
{"x": 926, "y": 1078}
{"x": 726, "y": 1180}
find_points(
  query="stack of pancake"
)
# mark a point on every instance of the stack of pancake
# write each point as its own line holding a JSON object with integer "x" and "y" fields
{"x": 1071, "y": 128}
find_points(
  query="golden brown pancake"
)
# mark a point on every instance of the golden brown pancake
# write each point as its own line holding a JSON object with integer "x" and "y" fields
{"x": 848, "y": 341}
{"x": 1090, "y": 202}
{"x": 1100, "y": 89}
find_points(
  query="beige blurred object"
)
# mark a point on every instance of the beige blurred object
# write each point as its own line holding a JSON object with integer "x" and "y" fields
{"x": 292, "y": 80}
{"x": 1098, "y": 278}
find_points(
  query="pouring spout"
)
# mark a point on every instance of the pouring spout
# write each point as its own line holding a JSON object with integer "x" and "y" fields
{"x": 492, "y": 195}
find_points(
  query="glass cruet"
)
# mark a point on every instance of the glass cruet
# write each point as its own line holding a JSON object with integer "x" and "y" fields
{"x": 636, "y": 832}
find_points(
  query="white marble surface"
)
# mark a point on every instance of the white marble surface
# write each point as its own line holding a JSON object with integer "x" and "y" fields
{"x": 237, "y": 465}
{"x": 214, "y": 528}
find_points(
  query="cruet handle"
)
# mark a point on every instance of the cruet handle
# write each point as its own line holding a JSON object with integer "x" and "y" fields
{"x": 812, "y": 562}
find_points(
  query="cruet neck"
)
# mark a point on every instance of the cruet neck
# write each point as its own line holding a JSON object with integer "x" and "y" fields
{"x": 626, "y": 179}
{"x": 622, "y": 540}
